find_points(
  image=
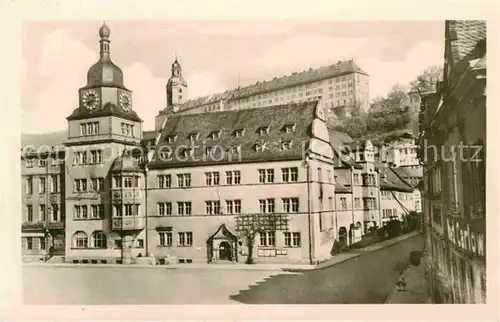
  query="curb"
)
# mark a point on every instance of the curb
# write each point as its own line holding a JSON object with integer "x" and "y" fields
{"x": 243, "y": 267}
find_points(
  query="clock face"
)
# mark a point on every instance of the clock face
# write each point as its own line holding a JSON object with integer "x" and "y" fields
{"x": 90, "y": 99}
{"x": 125, "y": 101}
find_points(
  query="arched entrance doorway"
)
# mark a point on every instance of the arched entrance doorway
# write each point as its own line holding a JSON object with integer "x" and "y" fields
{"x": 222, "y": 246}
{"x": 225, "y": 251}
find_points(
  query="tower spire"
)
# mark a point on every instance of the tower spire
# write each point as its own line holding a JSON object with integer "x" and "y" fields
{"x": 104, "y": 34}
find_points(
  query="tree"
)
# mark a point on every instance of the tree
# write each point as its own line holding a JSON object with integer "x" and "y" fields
{"x": 248, "y": 226}
{"x": 390, "y": 113}
{"x": 427, "y": 80}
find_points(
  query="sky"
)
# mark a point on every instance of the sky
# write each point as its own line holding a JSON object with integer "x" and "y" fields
{"x": 214, "y": 55}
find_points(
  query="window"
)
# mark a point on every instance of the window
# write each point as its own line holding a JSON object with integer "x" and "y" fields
{"x": 128, "y": 129}
{"x": 41, "y": 185}
{"x": 29, "y": 243}
{"x": 80, "y": 158}
{"x": 164, "y": 208}
{"x": 43, "y": 245}
{"x": 193, "y": 136}
{"x": 117, "y": 211}
{"x": 139, "y": 243}
{"x": 80, "y": 240}
{"x": 81, "y": 212}
{"x": 289, "y": 128}
{"x": 212, "y": 178}
{"x": 184, "y": 208}
{"x": 239, "y": 133}
{"x": 42, "y": 162}
{"x": 214, "y": 135}
{"x": 81, "y": 185}
{"x": 98, "y": 239}
{"x": 268, "y": 238}
{"x": 369, "y": 180}
{"x": 131, "y": 210}
{"x": 97, "y": 211}
{"x": 263, "y": 130}
{"x": 91, "y": 128}
{"x": 233, "y": 177}
{"x": 165, "y": 238}
{"x": 290, "y": 205}
{"x": 266, "y": 175}
{"x": 235, "y": 149}
{"x": 29, "y": 163}
{"x": 184, "y": 180}
{"x": 131, "y": 181}
{"x": 29, "y": 185}
{"x": 343, "y": 203}
{"x": 290, "y": 174}
{"x": 212, "y": 207}
{"x": 55, "y": 212}
{"x": 42, "y": 213}
{"x": 185, "y": 239}
{"x": 97, "y": 184}
{"x": 266, "y": 205}
{"x": 29, "y": 210}
{"x": 233, "y": 206}
{"x": 54, "y": 183}
{"x": 96, "y": 156}
{"x": 357, "y": 203}
{"x": 355, "y": 178}
{"x": 171, "y": 138}
{"x": 286, "y": 145}
{"x": 292, "y": 239}
{"x": 369, "y": 203}
{"x": 164, "y": 181}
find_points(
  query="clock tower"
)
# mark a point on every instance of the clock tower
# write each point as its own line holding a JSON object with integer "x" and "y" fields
{"x": 177, "y": 90}
{"x": 103, "y": 181}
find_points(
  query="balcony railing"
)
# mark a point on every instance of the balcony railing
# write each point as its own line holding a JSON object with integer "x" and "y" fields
{"x": 128, "y": 223}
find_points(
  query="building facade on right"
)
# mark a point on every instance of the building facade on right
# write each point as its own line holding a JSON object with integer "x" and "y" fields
{"x": 452, "y": 148}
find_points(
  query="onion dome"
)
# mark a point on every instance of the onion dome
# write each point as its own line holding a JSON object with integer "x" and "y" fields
{"x": 105, "y": 72}
{"x": 177, "y": 78}
{"x": 126, "y": 163}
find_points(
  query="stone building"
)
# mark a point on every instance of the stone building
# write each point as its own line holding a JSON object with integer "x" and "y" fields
{"x": 453, "y": 150}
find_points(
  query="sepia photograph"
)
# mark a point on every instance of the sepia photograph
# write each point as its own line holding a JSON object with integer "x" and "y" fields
{"x": 253, "y": 162}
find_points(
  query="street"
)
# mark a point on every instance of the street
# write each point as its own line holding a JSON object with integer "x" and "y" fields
{"x": 368, "y": 278}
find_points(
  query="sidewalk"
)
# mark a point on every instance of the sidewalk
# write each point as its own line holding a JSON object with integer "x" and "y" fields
{"x": 339, "y": 258}
{"x": 416, "y": 287}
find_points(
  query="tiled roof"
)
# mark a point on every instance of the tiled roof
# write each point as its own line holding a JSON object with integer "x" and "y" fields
{"x": 391, "y": 181}
{"x": 225, "y": 124}
{"x": 337, "y": 141}
{"x": 44, "y": 139}
{"x": 340, "y": 188}
{"x": 109, "y": 109}
{"x": 342, "y": 181}
{"x": 341, "y": 68}
{"x": 464, "y": 36}
{"x": 407, "y": 172}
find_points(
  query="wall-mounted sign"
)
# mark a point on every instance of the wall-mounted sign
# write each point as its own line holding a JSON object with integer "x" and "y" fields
{"x": 464, "y": 236}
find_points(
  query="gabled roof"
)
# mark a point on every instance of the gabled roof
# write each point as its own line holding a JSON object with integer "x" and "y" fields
{"x": 391, "y": 181}
{"x": 407, "y": 172}
{"x": 109, "y": 109}
{"x": 338, "y": 140}
{"x": 464, "y": 36}
{"x": 338, "y": 69}
{"x": 248, "y": 145}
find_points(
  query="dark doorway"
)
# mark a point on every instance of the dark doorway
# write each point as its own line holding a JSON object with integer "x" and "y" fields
{"x": 343, "y": 237}
{"x": 225, "y": 251}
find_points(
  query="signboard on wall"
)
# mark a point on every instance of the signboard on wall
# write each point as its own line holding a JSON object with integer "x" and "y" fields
{"x": 468, "y": 236}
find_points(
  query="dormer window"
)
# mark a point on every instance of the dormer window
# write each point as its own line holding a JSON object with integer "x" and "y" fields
{"x": 235, "y": 149}
{"x": 286, "y": 145}
{"x": 215, "y": 135}
{"x": 165, "y": 155}
{"x": 239, "y": 133}
{"x": 259, "y": 147}
{"x": 263, "y": 130}
{"x": 289, "y": 128}
{"x": 193, "y": 136}
{"x": 208, "y": 150}
{"x": 187, "y": 153}
{"x": 171, "y": 138}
